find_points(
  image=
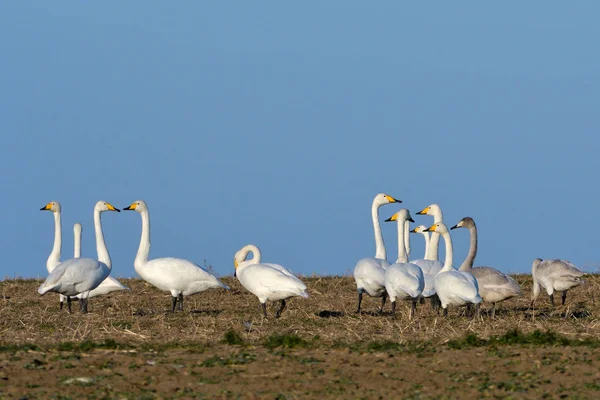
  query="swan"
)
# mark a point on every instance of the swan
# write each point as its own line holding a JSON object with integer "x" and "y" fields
{"x": 403, "y": 280}
{"x": 266, "y": 281}
{"x": 54, "y": 257}
{"x": 80, "y": 275}
{"x": 494, "y": 286}
{"x": 554, "y": 275}
{"x": 453, "y": 287}
{"x": 369, "y": 273}
{"x": 108, "y": 285}
{"x": 430, "y": 264}
{"x": 421, "y": 229}
{"x": 178, "y": 276}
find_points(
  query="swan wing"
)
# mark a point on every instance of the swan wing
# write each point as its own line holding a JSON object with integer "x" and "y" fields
{"x": 178, "y": 275}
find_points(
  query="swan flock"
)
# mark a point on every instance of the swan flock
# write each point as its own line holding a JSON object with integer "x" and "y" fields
{"x": 409, "y": 280}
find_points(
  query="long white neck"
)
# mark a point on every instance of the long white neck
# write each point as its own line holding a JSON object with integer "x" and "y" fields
{"x": 407, "y": 238}
{"x": 435, "y": 237}
{"x": 256, "y": 256}
{"x": 468, "y": 263}
{"x": 379, "y": 244}
{"x": 54, "y": 257}
{"x": 101, "y": 249}
{"x": 448, "y": 262}
{"x": 142, "y": 255}
{"x": 402, "y": 256}
{"x": 76, "y": 242}
{"x": 427, "y": 247}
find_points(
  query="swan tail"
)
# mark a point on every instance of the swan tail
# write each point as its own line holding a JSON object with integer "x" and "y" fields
{"x": 44, "y": 289}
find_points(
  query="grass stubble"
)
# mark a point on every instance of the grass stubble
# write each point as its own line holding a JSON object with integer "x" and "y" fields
{"x": 129, "y": 346}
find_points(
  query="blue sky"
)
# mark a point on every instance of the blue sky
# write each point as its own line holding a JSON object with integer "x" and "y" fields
{"x": 276, "y": 124}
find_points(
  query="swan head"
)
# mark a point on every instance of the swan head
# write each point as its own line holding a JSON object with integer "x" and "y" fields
{"x": 438, "y": 227}
{"x": 77, "y": 228}
{"x": 466, "y": 222}
{"x": 53, "y": 206}
{"x": 383, "y": 198}
{"x": 535, "y": 264}
{"x": 420, "y": 229}
{"x": 138, "y": 205}
{"x": 242, "y": 254}
{"x": 432, "y": 209}
{"x": 401, "y": 216}
{"x": 102, "y": 206}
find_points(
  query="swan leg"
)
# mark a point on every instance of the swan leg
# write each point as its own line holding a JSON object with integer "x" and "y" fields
{"x": 278, "y": 313}
{"x": 359, "y": 301}
{"x": 264, "y": 308}
{"x": 393, "y": 308}
{"x": 174, "y": 303}
{"x": 180, "y": 308}
{"x": 564, "y": 297}
{"x": 469, "y": 310}
{"x": 60, "y": 307}
{"x": 84, "y": 303}
{"x": 422, "y": 300}
{"x": 493, "y": 310}
{"x": 552, "y": 299}
{"x": 446, "y": 312}
{"x": 383, "y": 302}
{"x": 413, "y": 309}
{"x": 477, "y": 310}
{"x": 69, "y": 303}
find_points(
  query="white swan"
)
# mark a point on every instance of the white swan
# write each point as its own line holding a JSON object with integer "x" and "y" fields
{"x": 266, "y": 281}
{"x": 494, "y": 286}
{"x": 369, "y": 273}
{"x": 403, "y": 280}
{"x": 421, "y": 229}
{"x": 453, "y": 287}
{"x": 80, "y": 275}
{"x": 178, "y": 276}
{"x": 554, "y": 275}
{"x": 54, "y": 257}
{"x": 430, "y": 264}
{"x": 108, "y": 285}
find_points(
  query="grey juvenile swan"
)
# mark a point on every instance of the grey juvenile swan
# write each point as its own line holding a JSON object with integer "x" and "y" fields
{"x": 554, "y": 275}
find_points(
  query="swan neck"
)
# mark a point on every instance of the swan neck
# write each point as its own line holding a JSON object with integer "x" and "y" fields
{"x": 379, "y": 244}
{"x": 468, "y": 263}
{"x": 427, "y": 240}
{"x": 434, "y": 244}
{"x": 77, "y": 245}
{"x": 54, "y": 257}
{"x": 101, "y": 249}
{"x": 256, "y": 255}
{"x": 402, "y": 257}
{"x": 144, "y": 249}
{"x": 407, "y": 238}
{"x": 448, "y": 261}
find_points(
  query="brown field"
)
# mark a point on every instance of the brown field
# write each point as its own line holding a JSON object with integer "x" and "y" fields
{"x": 128, "y": 346}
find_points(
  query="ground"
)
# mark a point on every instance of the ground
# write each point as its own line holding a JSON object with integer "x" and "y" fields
{"x": 128, "y": 346}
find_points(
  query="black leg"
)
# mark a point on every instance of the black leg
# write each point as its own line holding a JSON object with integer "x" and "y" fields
{"x": 413, "y": 309}
{"x": 264, "y": 308}
{"x": 60, "y": 307}
{"x": 383, "y": 302}
{"x": 180, "y": 308}
{"x": 174, "y": 303}
{"x": 69, "y": 303}
{"x": 359, "y": 301}
{"x": 552, "y": 299}
{"x": 564, "y": 297}
{"x": 84, "y": 303}
{"x": 393, "y": 308}
{"x": 446, "y": 312}
{"x": 493, "y": 310}
{"x": 278, "y": 314}
{"x": 469, "y": 309}
{"x": 422, "y": 300}
{"x": 477, "y": 310}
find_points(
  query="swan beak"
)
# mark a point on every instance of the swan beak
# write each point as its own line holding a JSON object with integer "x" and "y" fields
{"x": 391, "y": 199}
{"x": 454, "y": 227}
{"x": 112, "y": 208}
{"x": 411, "y": 220}
{"x": 46, "y": 207}
{"x": 235, "y": 263}
{"x": 430, "y": 229}
{"x": 416, "y": 230}
{"x": 392, "y": 218}
{"x": 423, "y": 211}
{"x": 131, "y": 207}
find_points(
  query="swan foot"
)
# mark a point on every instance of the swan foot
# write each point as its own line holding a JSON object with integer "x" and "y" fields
{"x": 359, "y": 301}
{"x": 264, "y": 308}
{"x": 173, "y": 303}
{"x": 180, "y": 308}
{"x": 564, "y": 297}
{"x": 69, "y": 303}
{"x": 278, "y": 313}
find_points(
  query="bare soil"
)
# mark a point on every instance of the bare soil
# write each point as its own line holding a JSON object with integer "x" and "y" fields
{"x": 129, "y": 346}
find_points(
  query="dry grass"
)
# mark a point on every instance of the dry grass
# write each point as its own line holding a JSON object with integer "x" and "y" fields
{"x": 140, "y": 316}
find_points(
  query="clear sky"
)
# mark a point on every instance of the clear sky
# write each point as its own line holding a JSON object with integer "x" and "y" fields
{"x": 276, "y": 124}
